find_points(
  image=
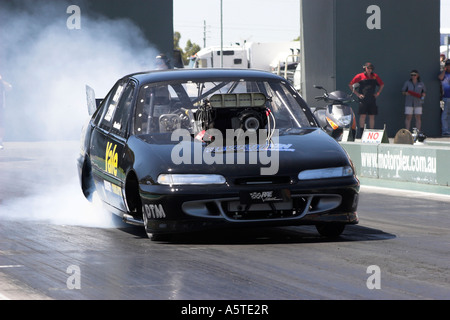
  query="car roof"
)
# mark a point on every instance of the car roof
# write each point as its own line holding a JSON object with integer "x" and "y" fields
{"x": 201, "y": 73}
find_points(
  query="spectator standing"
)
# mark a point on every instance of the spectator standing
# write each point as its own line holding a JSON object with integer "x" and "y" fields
{"x": 367, "y": 93}
{"x": 414, "y": 91}
{"x": 442, "y": 61}
{"x": 444, "y": 77}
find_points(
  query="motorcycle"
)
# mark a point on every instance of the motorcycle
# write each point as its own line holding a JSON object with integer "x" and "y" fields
{"x": 337, "y": 115}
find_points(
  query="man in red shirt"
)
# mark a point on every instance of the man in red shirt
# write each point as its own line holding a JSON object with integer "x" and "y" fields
{"x": 367, "y": 93}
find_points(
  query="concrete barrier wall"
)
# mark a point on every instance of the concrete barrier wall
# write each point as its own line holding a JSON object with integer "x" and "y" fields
{"x": 339, "y": 36}
{"x": 411, "y": 163}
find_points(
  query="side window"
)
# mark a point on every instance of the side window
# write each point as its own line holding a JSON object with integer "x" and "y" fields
{"x": 101, "y": 110}
{"x": 122, "y": 113}
{"x": 141, "y": 118}
{"x": 153, "y": 101}
{"x": 110, "y": 106}
{"x": 156, "y": 104}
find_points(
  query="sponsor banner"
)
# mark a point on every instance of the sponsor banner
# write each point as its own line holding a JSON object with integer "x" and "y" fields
{"x": 410, "y": 164}
{"x": 401, "y": 162}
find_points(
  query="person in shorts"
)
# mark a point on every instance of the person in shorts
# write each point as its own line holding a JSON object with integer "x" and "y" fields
{"x": 414, "y": 91}
{"x": 370, "y": 87}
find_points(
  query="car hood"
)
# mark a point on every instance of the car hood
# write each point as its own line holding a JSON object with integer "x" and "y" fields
{"x": 294, "y": 151}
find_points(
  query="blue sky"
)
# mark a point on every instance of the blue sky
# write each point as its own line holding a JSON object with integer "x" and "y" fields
{"x": 246, "y": 20}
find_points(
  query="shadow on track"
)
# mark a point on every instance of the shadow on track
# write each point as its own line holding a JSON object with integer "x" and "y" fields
{"x": 273, "y": 235}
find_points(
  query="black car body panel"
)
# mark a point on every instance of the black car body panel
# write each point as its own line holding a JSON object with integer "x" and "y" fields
{"x": 129, "y": 151}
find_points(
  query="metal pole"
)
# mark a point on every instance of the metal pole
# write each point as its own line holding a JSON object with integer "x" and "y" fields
{"x": 221, "y": 34}
{"x": 204, "y": 33}
{"x": 447, "y": 42}
{"x": 302, "y": 54}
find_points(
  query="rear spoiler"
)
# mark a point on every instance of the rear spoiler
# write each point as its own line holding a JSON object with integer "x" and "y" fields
{"x": 92, "y": 103}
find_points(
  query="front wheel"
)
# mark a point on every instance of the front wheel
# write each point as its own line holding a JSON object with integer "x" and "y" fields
{"x": 330, "y": 230}
{"x": 144, "y": 217}
{"x": 153, "y": 236}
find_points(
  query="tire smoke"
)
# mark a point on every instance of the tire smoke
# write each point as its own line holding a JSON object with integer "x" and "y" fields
{"x": 48, "y": 65}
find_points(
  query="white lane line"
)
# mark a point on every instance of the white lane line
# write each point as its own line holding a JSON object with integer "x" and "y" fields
{"x": 11, "y": 266}
{"x": 11, "y": 289}
{"x": 2, "y": 297}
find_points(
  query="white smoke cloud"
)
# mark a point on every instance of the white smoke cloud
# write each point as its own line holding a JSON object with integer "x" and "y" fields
{"x": 60, "y": 207}
{"x": 45, "y": 173}
{"x": 48, "y": 66}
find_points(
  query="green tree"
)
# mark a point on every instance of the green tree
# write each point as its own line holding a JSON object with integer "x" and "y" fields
{"x": 176, "y": 41}
{"x": 189, "y": 50}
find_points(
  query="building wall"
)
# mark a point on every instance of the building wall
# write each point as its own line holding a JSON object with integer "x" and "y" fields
{"x": 396, "y": 36}
{"x": 319, "y": 50}
{"x": 154, "y": 18}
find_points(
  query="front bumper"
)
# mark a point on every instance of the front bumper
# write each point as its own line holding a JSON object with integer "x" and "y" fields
{"x": 170, "y": 210}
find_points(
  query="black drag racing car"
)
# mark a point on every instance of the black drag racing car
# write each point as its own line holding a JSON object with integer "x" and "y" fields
{"x": 188, "y": 149}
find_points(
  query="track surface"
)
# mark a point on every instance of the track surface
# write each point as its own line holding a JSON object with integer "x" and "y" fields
{"x": 56, "y": 245}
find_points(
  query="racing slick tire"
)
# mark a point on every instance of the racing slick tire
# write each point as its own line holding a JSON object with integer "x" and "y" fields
{"x": 87, "y": 181}
{"x": 330, "y": 230}
{"x": 153, "y": 236}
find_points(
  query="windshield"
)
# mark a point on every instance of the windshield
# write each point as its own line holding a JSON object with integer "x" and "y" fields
{"x": 250, "y": 105}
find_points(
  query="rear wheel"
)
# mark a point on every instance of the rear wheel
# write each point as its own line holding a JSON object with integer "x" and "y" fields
{"x": 87, "y": 181}
{"x": 330, "y": 230}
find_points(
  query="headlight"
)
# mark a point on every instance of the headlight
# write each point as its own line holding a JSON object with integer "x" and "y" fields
{"x": 326, "y": 173}
{"x": 190, "y": 179}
